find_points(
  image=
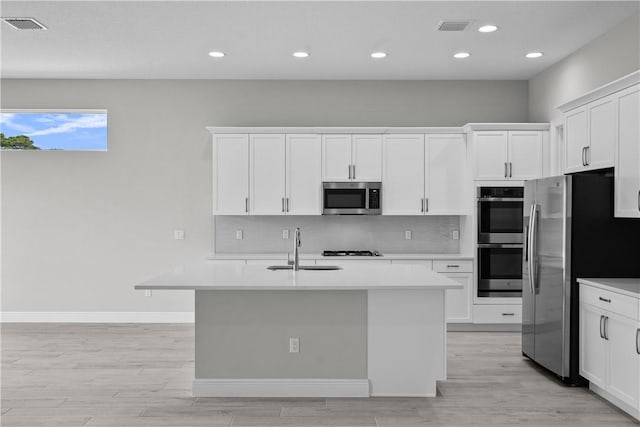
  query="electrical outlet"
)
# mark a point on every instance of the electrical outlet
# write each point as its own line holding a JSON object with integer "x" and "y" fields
{"x": 285, "y": 234}
{"x": 178, "y": 234}
{"x": 294, "y": 345}
{"x": 239, "y": 234}
{"x": 455, "y": 235}
{"x": 407, "y": 234}
{"x": 147, "y": 292}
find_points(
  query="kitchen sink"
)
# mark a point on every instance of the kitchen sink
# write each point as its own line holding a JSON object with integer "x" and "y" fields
{"x": 304, "y": 267}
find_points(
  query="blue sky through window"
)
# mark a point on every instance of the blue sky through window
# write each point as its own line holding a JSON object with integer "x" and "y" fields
{"x": 58, "y": 130}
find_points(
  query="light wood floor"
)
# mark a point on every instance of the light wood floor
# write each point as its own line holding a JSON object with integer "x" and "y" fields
{"x": 140, "y": 375}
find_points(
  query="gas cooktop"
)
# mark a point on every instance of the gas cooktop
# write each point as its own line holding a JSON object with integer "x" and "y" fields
{"x": 351, "y": 253}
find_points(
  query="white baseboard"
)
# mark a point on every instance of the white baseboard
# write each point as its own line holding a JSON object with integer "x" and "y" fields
{"x": 634, "y": 412}
{"x": 285, "y": 387}
{"x": 97, "y": 317}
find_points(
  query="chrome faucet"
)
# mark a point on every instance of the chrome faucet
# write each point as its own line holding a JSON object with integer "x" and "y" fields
{"x": 296, "y": 244}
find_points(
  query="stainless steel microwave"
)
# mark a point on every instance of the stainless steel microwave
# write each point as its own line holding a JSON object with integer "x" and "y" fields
{"x": 351, "y": 198}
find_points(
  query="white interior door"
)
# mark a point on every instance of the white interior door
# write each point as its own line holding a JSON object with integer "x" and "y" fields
{"x": 304, "y": 181}
{"x": 336, "y": 157}
{"x": 367, "y": 157}
{"x": 230, "y": 174}
{"x": 525, "y": 155}
{"x": 266, "y": 174}
{"x": 446, "y": 179}
{"x": 403, "y": 175}
{"x": 490, "y": 152}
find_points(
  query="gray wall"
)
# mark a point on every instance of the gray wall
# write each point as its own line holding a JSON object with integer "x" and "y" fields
{"x": 607, "y": 58}
{"x": 79, "y": 229}
{"x": 385, "y": 234}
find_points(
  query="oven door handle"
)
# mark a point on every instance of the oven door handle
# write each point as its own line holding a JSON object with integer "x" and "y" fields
{"x": 500, "y": 245}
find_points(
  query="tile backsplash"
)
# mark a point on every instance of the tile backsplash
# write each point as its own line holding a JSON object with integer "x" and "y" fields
{"x": 263, "y": 234}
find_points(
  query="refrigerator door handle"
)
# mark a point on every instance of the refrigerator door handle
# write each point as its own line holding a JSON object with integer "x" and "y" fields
{"x": 526, "y": 243}
{"x": 532, "y": 255}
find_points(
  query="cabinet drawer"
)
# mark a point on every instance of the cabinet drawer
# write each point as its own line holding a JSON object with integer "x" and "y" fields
{"x": 453, "y": 266}
{"x": 497, "y": 313}
{"x": 426, "y": 263}
{"x": 611, "y": 301}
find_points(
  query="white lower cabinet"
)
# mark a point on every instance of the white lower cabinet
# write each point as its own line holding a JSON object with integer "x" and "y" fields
{"x": 610, "y": 346}
{"x": 497, "y": 313}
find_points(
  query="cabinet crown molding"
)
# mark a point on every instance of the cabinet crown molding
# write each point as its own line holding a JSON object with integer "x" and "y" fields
{"x": 602, "y": 91}
{"x": 330, "y": 130}
{"x": 472, "y": 127}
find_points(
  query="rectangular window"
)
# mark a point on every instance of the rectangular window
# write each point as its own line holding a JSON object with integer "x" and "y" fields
{"x": 69, "y": 130}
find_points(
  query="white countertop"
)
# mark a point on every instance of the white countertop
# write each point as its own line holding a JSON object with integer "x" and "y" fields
{"x": 315, "y": 256}
{"x": 353, "y": 276}
{"x": 630, "y": 287}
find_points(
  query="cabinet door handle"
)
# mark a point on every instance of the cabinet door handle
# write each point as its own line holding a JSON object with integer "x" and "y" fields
{"x": 506, "y": 175}
{"x": 283, "y": 204}
{"x": 606, "y": 328}
{"x": 422, "y": 205}
{"x": 510, "y": 169}
{"x": 601, "y": 327}
{"x": 639, "y": 200}
{"x": 508, "y": 314}
{"x": 452, "y": 266}
{"x": 638, "y": 340}
{"x": 287, "y": 204}
{"x": 349, "y": 171}
{"x": 604, "y": 299}
{"x": 582, "y": 154}
{"x": 426, "y": 204}
{"x": 354, "y": 171}
{"x": 246, "y": 204}
{"x": 587, "y": 155}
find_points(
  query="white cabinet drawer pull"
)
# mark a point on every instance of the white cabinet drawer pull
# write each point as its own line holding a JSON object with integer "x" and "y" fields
{"x": 638, "y": 340}
{"x": 604, "y": 299}
{"x": 453, "y": 266}
{"x": 602, "y": 327}
{"x": 508, "y": 314}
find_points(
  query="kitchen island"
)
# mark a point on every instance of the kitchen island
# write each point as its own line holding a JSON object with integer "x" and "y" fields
{"x": 355, "y": 332}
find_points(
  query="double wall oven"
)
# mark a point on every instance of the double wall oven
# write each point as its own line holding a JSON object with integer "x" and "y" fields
{"x": 500, "y": 241}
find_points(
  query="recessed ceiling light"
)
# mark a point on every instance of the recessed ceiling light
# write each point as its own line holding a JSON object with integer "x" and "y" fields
{"x": 301, "y": 54}
{"x": 462, "y": 55}
{"x": 487, "y": 28}
{"x": 216, "y": 54}
{"x": 378, "y": 55}
{"x": 533, "y": 55}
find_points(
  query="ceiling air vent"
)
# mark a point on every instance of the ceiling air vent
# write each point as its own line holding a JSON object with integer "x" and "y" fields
{"x": 453, "y": 25}
{"x": 24, "y": 23}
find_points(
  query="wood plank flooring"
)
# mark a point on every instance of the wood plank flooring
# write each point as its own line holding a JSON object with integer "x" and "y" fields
{"x": 134, "y": 375}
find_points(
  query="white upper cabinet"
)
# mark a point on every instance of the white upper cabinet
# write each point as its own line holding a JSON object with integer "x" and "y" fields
{"x": 366, "y": 158}
{"x": 525, "y": 154}
{"x": 267, "y": 174}
{"x": 303, "y": 177}
{"x": 446, "y": 175}
{"x": 504, "y": 155}
{"x": 403, "y": 175}
{"x": 230, "y": 174}
{"x": 351, "y": 157}
{"x": 590, "y": 134}
{"x": 627, "y": 155}
{"x": 424, "y": 175}
{"x": 336, "y": 157}
{"x": 490, "y": 149}
{"x": 576, "y": 137}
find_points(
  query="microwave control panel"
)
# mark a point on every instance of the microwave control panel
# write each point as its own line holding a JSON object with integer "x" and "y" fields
{"x": 374, "y": 198}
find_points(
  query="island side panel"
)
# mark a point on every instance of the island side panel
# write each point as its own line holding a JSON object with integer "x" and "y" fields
{"x": 406, "y": 342}
{"x": 245, "y": 334}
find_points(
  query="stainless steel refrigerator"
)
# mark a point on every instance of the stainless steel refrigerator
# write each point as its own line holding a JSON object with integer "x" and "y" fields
{"x": 569, "y": 232}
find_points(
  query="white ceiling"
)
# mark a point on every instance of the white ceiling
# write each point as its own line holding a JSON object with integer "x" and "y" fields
{"x": 171, "y": 39}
